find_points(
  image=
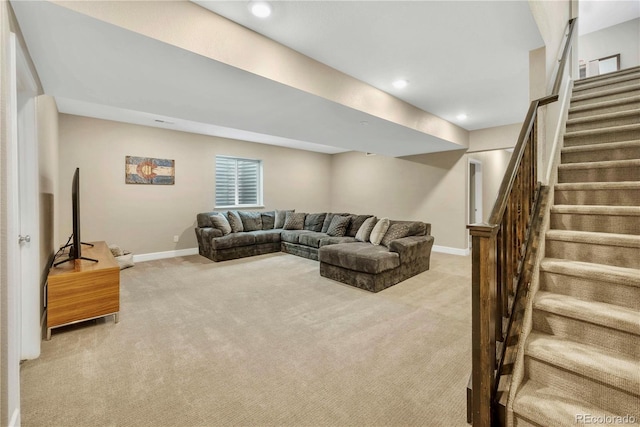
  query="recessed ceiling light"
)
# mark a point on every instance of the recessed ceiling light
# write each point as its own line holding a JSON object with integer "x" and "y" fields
{"x": 261, "y": 9}
{"x": 400, "y": 84}
{"x": 461, "y": 117}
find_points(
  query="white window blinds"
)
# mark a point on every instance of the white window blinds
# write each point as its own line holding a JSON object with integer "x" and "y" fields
{"x": 238, "y": 182}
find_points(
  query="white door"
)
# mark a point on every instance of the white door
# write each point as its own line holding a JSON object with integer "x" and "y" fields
{"x": 475, "y": 193}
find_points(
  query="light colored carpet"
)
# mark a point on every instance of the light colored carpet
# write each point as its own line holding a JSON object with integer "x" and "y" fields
{"x": 262, "y": 341}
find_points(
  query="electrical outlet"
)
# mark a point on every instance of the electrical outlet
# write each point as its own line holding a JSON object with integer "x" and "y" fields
{"x": 176, "y": 238}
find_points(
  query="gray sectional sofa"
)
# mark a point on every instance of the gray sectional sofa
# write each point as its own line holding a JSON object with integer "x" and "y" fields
{"x": 342, "y": 242}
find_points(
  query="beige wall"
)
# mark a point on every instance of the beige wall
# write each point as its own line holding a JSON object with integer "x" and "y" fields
{"x": 495, "y": 138}
{"x": 144, "y": 218}
{"x": 428, "y": 188}
{"x": 623, "y": 38}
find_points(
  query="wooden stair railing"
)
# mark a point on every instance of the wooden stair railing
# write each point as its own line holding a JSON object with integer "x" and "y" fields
{"x": 503, "y": 254}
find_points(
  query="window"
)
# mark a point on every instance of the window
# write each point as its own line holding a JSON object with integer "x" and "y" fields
{"x": 238, "y": 182}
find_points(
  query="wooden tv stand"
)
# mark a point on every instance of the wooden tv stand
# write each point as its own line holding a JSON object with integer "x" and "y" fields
{"x": 82, "y": 290}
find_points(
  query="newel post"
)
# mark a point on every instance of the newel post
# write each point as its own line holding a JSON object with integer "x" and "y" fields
{"x": 483, "y": 312}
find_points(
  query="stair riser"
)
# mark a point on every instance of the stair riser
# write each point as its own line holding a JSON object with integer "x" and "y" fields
{"x": 605, "y": 85}
{"x": 599, "y": 138}
{"x": 576, "y": 101}
{"x": 586, "y": 333}
{"x": 598, "y": 254}
{"x": 626, "y": 153}
{"x": 598, "y": 123}
{"x": 521, "y": 422}
{"x": 577, "y": 386}
{"x": 616, "y": 197}
{"x": 619, "y": 224}
{"x": 596, "y": 110}
{"x": 591, "y": 290}
{"x": 599, "y": 175}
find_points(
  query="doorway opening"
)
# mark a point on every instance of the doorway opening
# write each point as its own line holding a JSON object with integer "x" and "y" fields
{"x": 475, "y": 214}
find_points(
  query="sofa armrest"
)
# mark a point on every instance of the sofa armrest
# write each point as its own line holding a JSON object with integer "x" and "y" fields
{"x": 412, "y": 248}
{"x": 211, "y": 232}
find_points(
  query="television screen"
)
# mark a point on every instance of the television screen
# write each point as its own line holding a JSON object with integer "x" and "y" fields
{"x": 76, "y": 246}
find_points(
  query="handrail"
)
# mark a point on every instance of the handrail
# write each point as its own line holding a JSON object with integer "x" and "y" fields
{"x": 502, "y": 253}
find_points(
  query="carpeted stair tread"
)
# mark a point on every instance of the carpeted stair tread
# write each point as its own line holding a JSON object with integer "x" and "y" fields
{"x": 605, "y": 82}
{"x": 606, "y": 92}
{"x": 582, "y": 186}
{"x": 605, "y": 77}
{"x": 546, "y": 406}
{"x": 601, "y": 146}
{"x": 596, "y": 210}
{"x": 606, "y": 366}
{"x": 605, "y": 116}
{"x": 607, "y": 164}
{"x": 603, "y": 272}
{"x": 602, "y": 130}
{"x": 608, "y": 239}
{"x": 626, "y": 100}
{"x": 608, "y": 315}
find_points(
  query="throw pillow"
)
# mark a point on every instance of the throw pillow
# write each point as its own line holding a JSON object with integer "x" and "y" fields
{"x": 221, "y": 223}
{"x": 379, "y": 231}
{"x": 251, "y": 221}
{"x": 235, "y": 222}
{"x": 356, "y": 223}
{"x": 268, "y": 220}
{"x": 281, "y": 216}
{"x": 364, "y": 232}
{"x": 395, "y": 231}
{"x": 125, "y": 261}
{"x": 338, "y": 226}
{"x": 294, "y": 221}
{"x": 314, "y": 222}
{"x": 328, "y": 219}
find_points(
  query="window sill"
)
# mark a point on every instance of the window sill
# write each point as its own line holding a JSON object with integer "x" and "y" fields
{"x": 241, "y": 207}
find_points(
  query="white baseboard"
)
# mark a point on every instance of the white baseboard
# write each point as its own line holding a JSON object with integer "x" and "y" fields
{"x": 161, "y": 255}
{"x": 15, "y": 418}
{"x": 452, "y": 251}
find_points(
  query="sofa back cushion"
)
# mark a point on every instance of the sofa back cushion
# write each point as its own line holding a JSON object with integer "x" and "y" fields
{"x": 235, "y": 222}
{"x": 355, "y": 224}
{"x": 281, "y": 216}
{"x": 338, "y": 226}
{"x": 395, "y": 231}
{"x": 416, "y": 228}
{"x": 364, "y": 232}
{"x": 379, "y": 231}
{"x": 221, "y": 223}
{"x": 328, "y": 219}
{"x": 268, "y": 220}
{"x": 314, "y": 222}
{"x": 251, "y": 221}
{"x": 203, "y": 219}
{"x": 294, "y": 221}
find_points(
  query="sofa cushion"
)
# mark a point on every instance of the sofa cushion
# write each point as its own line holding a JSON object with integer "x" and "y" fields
{"x": 364, "y": 232}
{"x": 266, "y": 236}
{"x": 281, "y": 216}
{"x": 292, "y": 236}
{"x": 395, "y": 231}
{"x": 268, "y": 220}
{"x": 379, "y": 231}
{"x": 328, "y": 219}
{"x": 221, "y": 223}
{"x": 359, "y": 256}
{"x": 233, "y": 240}
{"x": 314, "y": 222}
{"x": 235, "y": 221}
{"x": 329, "y": 240}
{"x": 294, "y": 221}
{"x": 312, "y": 239}
{"x": 355, "y": 224}
{"x": 251, "y": 221}
{"x": 416, "y": 228}
{"x": 338, "y": 226}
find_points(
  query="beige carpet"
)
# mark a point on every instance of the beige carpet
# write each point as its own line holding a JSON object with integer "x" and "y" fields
{"x": 263, "y": 341}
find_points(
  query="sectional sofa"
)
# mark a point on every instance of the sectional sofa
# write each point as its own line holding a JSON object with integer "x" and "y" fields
{"x": 359, "y": 250}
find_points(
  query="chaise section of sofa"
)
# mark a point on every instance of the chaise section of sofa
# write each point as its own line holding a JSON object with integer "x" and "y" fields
{"x": 377, "y": 267}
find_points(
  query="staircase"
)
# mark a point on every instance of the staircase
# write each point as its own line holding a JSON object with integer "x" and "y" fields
{"x": 582, "y": 357}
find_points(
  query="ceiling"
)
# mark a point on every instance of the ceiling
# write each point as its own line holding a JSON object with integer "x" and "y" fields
{"x": 598, "y": 14}
{"x": 459, "y": 57}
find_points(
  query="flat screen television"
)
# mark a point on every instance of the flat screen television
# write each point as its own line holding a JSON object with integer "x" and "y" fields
{"x": 74, "y": 243}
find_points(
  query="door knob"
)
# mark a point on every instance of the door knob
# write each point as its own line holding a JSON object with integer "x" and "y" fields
{"x": 23, "y": 239}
